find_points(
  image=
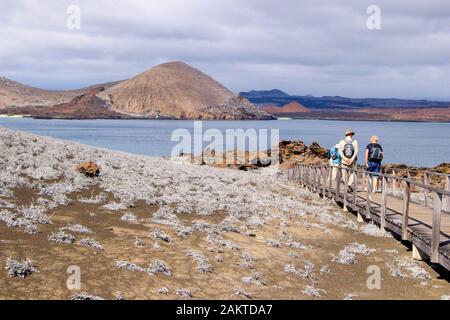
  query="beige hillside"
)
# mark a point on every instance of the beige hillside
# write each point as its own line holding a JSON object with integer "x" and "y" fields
{"x": 178, "y": 90}
{"x": 14, "y": 94}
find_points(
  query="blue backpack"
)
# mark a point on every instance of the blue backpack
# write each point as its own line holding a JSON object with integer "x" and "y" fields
{"x": 334, "y": 154}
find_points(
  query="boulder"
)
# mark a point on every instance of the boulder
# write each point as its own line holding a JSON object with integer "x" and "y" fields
{"x": 89, "y": 168}
{"x": 297, "y": 151}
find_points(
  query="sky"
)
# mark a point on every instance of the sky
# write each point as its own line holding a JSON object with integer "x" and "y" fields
{"x": 302, "y": 47}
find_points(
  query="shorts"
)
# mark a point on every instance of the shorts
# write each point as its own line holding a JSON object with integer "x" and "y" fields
{"x": 374, "y": 167}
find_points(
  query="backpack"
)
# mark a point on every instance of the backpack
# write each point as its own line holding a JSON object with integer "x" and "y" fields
{"x": 349, "y": 149}
{"x": 375, "y": 153}
{"x": 334, "y": 154}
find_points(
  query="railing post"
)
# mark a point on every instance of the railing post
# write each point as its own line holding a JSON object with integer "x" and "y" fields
{"x": 425, "y": 191}
{"x": 436, "y": 228}
{"x": 324, "y": 181}
{"x": 302, "y": 175}
{"x": 409, "y": 178}
{"x": 314, "y": 170}
{"x": 368, "y": 195}
{"x": 330, "y": 182}
{"x": 383, "y": 202}
{"x": 346, "y": 188}
{"x": 394, "y": 183}
{"x": 446, "y": 199}
{"x": 338, "y": 184}
{"x": 405, "y": 217}
{"x": 355, "y": 189}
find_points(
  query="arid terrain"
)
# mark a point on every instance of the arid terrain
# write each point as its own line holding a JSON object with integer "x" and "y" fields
{"x": 154, "y": 228}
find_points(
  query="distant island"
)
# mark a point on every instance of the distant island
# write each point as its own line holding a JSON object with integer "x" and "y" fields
{"x": 176, "y": 90}
{"x": 281, "y": 104}
{"x": 171, "y": 90}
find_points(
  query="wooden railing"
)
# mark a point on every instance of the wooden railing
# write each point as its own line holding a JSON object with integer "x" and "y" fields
{"x": 426, "y": 179}
{"x": 358, "y": 196}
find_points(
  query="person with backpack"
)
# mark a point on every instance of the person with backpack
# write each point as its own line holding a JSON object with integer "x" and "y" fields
{"x": 348, "y": 150}
{"x": 374, "y": 157}
{"x": 335, "y": 161}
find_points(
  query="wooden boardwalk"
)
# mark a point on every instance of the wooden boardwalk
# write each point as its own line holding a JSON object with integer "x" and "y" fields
{"x": 403, "y": 212}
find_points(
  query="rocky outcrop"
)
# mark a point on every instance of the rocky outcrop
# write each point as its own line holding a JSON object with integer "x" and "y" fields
{"x": 89, "y": 169}
{"x": 297, "y": 151}
{"x": 417, "y": 173}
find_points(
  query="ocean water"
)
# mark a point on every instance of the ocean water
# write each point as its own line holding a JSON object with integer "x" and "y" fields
{"x": 412, "y": 143}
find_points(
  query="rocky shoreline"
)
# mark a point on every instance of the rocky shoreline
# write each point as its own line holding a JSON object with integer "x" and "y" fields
{"x": 153, "y": 228}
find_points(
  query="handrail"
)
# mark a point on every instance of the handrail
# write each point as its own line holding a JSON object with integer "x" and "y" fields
{"x": 319, "y": 178}
{"x": 392, "y": 177}
{"x": 440, "y": 174}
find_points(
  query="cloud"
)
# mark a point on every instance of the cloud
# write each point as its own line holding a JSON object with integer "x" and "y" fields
{"x": 304, "y": 47}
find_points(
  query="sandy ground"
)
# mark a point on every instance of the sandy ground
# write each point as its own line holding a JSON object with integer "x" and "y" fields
{"x": 241, "y": 224}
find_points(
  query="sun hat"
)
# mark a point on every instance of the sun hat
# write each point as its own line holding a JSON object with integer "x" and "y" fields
{"x": 349, "y": 132}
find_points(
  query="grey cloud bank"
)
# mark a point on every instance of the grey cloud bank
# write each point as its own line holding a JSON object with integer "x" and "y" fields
{"x": 302, "y": 47}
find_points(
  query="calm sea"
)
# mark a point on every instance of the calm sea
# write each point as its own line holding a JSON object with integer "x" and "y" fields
{"x": 420, "y": 144}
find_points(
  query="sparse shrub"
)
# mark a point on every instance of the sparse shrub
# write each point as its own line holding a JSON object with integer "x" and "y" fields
{"x": 274, "y": 243}
{"x": 254, "y": 278}
{"x": 203, "y": 264}
{"x": 93, "y": 199}
{"x": 85, "y": 296}
{"x": 325, "y": 269}
{"x": 295, "y": 245}
{"x": 78, "y": 228}
{"x": 21, "y": 269}
{"x": 129, "y": 217}
{"x": 185, "y": 293}
{"x": 313, "y": 292}
{"x": 115, "y": 206}
{"x": 128, "y": 266}
{"x": 61, "y": 237}
{"x": 139, "y": 242}
{"x": 159, "y": 266}
{"x": 371, "y": 229}
{"x": 247, "y": 260}
{"x": 91, "y": 243}
{"x": 348, "y": 254}
{"x": 407, "y": 268}
{"x": 160, "y": 235}
{"x": 242, "y": 293}
{"x": 163, "y": 290}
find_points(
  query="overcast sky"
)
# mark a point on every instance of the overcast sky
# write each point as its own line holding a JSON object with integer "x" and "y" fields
{"x": 303, "y": 47}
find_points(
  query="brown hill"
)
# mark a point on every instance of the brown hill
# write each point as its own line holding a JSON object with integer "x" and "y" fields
{"x": 177, "y": 90}
{"x": 14, "y": 94}
{"x": 293, "y": 107}
{"x": 17, "y": 97}
{"x": 84, "y": 106}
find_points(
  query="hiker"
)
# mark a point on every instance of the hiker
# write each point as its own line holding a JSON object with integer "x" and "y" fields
{"x": 374, "y": 157}
{"x": 348, "y": 149}
{"x": 335, "y": 161}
